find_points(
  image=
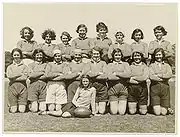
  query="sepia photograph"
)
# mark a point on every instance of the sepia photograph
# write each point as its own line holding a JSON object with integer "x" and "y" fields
{"x": 90, "y": 67}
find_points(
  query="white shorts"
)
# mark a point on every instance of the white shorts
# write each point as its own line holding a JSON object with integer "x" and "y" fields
{"x": 56, "y": 93}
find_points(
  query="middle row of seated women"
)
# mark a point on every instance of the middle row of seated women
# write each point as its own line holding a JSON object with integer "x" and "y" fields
{"x": 55, "y": 83}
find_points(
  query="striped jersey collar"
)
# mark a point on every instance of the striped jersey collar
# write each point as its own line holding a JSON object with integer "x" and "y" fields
{"x": 77, "y": 62}
{"x": 93, "y": 61}
{"x": 82, "y": 38}
{"x": 119, "y": 43}
{"x": 57, "y": 63}
{"x": 157, "y": 63}
{"x": 114, "y": 62}
{"x": 136, "y": 64}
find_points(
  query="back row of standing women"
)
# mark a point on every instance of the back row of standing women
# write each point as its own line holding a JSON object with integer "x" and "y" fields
{"x": 125, "y": 83}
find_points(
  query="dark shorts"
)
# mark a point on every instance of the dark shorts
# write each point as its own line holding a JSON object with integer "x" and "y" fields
{"x": 71, "y": 89}
{"x": 37, "y": 91}
{"x": 101, "y": 91}
{"x": 138, "y": 93}
{"x": 117, "y": 91}
{"x": 160, "y": 94}
{"x": 17, "y": 94}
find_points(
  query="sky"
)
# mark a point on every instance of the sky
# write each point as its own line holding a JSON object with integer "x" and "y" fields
{"x": 61, "y": 17}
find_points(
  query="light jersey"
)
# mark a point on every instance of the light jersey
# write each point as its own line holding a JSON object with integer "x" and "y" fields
{"x": 84, "y": 96}
{"x": 166, "y": 45}
{"x": 65, "y": 49}
{"x": 140, "y": 47}
{"x": 47, "y": 48}
{"x": 27, "y": 46}
{"x": 117, "y": 67}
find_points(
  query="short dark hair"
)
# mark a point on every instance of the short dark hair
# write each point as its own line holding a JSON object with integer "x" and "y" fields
{"x": 50, "y": 32}
{"x": 115, "y": 51}
{"x": 18, "y": 50}
{"x": 81, "y": 26}
{"x": 141, "y": 54}
{"x": 101, "y": 25}
{"x": 88, "y": 77}
{"x": 156, "y": 51}
{"x": 120, "y": 33}
{"x": 136, "y": 31}
{"x": 97, "y": 48}
{"x": 38, "y": 51}
{"x": 66, "y": 34}
{"x": 30, "y": 31}
{"x": 160, "y": 28}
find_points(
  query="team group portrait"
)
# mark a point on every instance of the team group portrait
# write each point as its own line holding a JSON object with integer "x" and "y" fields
{"x": 90, "y": 67}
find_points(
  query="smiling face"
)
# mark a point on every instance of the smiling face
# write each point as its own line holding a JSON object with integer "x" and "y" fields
{"x": 119, "y": 37}
{"x": 102, "y": 32}
{"x": 39, "y": 57}
{"x": 85, "y": 82}
{"x": 117, "y": 56}
{"x": 95, "y": 55}
{"x": 17, "y": 57}
{"x": 137, "y": 57}
{"x": 27, "y": 35}
{"x": 137, "y": 36}
{"x": 57, "y": 57}
{"x": 159, "y": 56}
{"x": 82, "y": 32}
{"x": 77, "y": 56}
{"x": 48, "y": 39}
{"x": 65, "y": 39}
{"x": 158, "y": 34}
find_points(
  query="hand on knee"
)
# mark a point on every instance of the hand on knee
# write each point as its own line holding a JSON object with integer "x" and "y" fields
{"x": 22, "y": 108}
{"x": 163, "y": 111}
{"x": 143, "y": 109}
{"x": 157, "y": 110}
{"x": 13, "y": 109}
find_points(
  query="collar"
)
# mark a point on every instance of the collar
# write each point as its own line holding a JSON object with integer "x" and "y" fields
{"x": 93, "y": 61}
{"x": 39, "y": 63}
{"x": 47, "y": 44}
{"x": 137, "y": 42}
{"x": 68, "y": 45}
{"x": 114, "y": 62}
{"x": 77, "y": 62}
{"x": 57, "y": 63}
{"x": 157, "y": 63}
{"x": 19, "y": 64}
{"x": 162, "y": 40}
{"x": 98, "y": 38}
{"x": 141, "y": 63}
{"x": 82, "y": 38}
{"x": 119, "y": 43}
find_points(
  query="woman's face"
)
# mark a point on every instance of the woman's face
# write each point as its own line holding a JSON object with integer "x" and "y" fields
{"x": 159, "y": 56}
{"x": 158, "y": 34}
{"x": 95, "y": 55}
{"x": 137, "y": 36}
{"x": 85, "y": 82}
{"x": 27, "y": 35}
{"x": 117, "y": 56}
{"x": 137, "y": 57}
{"x": 57, "y": 57}
{"x": 102, "y": 32}
{"x": 17, "y": 57}
{"x": 48, "y": 39}
{"x": 39, "y": 57}
{"x": 82, "y": 32}
{"x": 119, "y": 37}
{"x": 65, "y": 39}
{"x": 77, "y": 57}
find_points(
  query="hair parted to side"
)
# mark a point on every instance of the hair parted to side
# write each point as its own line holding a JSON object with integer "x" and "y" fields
{"x": 50, "y": 32}
{"x": 119, "y": 32}
{"x": 101, "y": 25}
{"x": 66, "y": 34}
{"x": 155, "y": 52}
{"x": 88, "y": 77}
{"x": 115, "y": 51}
{"x": 17, "y": 50}
{"x": 160, "y": 28}
{"x": 141, "y": 54}
{"x": 136, "y": 31}
{"x": 30, "y": 31}
{"x": 81, "y": 26}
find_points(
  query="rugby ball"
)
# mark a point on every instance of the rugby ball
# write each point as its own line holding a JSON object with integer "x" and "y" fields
{"x": 82, "y": 112}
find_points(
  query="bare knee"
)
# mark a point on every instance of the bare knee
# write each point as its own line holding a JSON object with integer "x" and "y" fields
{"x": 102, "y": 107}
{"x": 132, "y": 107}
{"x": 143, "y": 109}
{"x": 34, "y": 106}
{"x": 22, "y": 108}
{"x": 51, "y": 107}
{"x": 122, "y": 107}
{"x": 13, "y": 109}
{"x": 114, "y": 107}
{"x": 157, "y": 110}
{"x": 42, "y": 106}
{"x": 163, "y": 111}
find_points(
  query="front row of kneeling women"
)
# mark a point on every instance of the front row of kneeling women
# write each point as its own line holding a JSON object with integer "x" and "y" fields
{"x": 57, "y": 87}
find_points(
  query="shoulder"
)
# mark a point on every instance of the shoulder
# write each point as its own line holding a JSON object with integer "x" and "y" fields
{"x": 93, "y": 89}
{"x": 167, "y": 42}
{"x": 31, "y": 64}
{"x": 144, "y": 44}
{"x": 103, "y": 62}
{"x": 125, "y": 63}
{"x": 110, "y": 64}
{"x": 10, "y": 66}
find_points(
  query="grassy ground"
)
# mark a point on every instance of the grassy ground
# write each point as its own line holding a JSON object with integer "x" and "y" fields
{"x": 29, "y": 122}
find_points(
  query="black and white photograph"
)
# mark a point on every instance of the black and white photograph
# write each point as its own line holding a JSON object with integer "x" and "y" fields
{"x": 90, "y": 67}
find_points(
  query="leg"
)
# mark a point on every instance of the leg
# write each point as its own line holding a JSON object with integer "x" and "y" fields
{"x": 114, "y": 107}
{"x": 72, "y": 90}
{"x": 132, "y": 107}
{"x": 34, "y": 106}
{"x": 143, "y": 109}
{"x": 57, "y": 112}
{"x": 22, "y": 108}
{"x": 163, "y": 111}
{"x": 97, "y": 108}
{"x": 51, "y": 107}
{"x": 13, "y": 109}
{"x": 102, "y": 107}
{"x": 157, "y": 110}
{"x": 122, "y": 106}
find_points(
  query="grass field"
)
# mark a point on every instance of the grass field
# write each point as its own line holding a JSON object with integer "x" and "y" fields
{"x": 30, "y": 122}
